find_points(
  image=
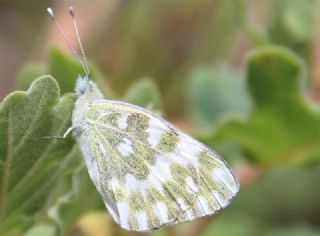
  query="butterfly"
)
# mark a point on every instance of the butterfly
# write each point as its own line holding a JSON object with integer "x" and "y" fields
{"x": 148, "y": 172}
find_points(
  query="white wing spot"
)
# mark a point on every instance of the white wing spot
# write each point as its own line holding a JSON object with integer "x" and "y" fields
{"x": 132, "y": 184}
{"x": 102, "y": 148}
{"x": 124, "y": 214}
{"x": 187, "y": 147}
{"x": 182, "y": 204}
{"x": 125, "y": 147}
{"x": 114, "y": 182}
{"x": 156, "y": 130}
{"x": 163, "y": 211}
{"x": 162, "y": 165}
{"x": 122, "y": 121}
{"x": 222, "y": 201}
{"x": 191, "y": 184}
{"x": 142, "y": 220}
{"x": 226, "y": 178}
{"x": 155, "y": 181}
{"x": 204, "y": 205}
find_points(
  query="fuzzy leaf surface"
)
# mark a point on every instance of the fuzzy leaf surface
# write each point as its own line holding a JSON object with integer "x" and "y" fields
{"x": 29, "y": 165}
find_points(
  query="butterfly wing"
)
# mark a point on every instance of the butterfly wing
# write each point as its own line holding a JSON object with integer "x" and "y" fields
{"x": 148, "y": 172}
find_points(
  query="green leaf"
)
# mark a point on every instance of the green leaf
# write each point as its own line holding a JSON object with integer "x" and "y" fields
{"x": 40, "y": 230}
{"x": 233, "y": 225}
{"x": 283, "y": 128}
{"x": 292, "y": 24}
{"x": 29, "y": 165}
{"x": 28, "y": 74}
{"x": 63, "y": 67}
{"x": 297, "y": 230}
{"x": 214, "y": 94}
{"x": 79, "y": 195}
{"x": 293, "y": 20}
{"x": 145, "y": 93}
{"x": 284, "y": 194}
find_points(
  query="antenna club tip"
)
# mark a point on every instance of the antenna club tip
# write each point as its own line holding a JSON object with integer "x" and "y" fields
{"x": 71, "y": 11}
{"x": 49, "y": 10}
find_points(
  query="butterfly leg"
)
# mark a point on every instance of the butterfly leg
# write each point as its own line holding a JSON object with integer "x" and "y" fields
{"x": 57, "y": 137}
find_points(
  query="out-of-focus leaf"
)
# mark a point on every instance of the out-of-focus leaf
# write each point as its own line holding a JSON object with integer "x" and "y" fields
{"x": 145, "y": 93}
{"x": 96, "y": 223}
{"x": 41, "y": 230}
{"x": 28, "y": 74}
{"x": 283, "y": 128}
{"x": 233, "y": 225}
{"x": 283, "y": 195}
{"x": 64, "y": 68}
{"x": 292, "y": 24}
{"x": 30, "y": 167}
{"x": 216, "y": 93}
{"x": 159, "y": 232}
{"x": 296, "y": 230}
{"x": 281, "y": 201}
{"x": 293, "y": 20}
{"x": 185, "y": 33}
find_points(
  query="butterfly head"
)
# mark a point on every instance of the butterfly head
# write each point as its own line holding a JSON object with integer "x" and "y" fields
{"x": 87, "y": 89}
{"x": 83, "y": 85}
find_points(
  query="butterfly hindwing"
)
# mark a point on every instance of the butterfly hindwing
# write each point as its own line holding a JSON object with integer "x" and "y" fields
{"x": 148, "y": 172}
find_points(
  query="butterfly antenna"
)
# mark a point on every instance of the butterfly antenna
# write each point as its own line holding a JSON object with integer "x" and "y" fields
{"x": 50, "y": 12}
{"x": 71, "y": 11}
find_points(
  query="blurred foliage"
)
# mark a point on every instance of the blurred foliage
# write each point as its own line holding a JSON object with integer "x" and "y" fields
{"x": 284, "y": 201}
{"x": 164, "y": 40}
{"x": 281, "y": 119}
{"x": 171, "y": 57}
{"x": 214, "y": 94}
{"x": 145, "y": 93}
{"x": 57, "y": 61}
{"x": 292, "y": 24}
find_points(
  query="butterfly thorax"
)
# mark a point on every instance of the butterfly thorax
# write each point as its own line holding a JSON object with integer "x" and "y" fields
{"x": 87, "y": 91}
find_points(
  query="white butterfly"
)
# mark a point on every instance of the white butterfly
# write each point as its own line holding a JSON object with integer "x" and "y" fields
{"x": 148, "y": 172}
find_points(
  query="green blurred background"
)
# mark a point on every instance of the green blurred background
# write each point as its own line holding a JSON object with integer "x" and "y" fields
{"x": 240, "y": 75}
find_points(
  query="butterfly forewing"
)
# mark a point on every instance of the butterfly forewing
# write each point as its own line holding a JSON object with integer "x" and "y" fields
{"x": 148, "y": 172}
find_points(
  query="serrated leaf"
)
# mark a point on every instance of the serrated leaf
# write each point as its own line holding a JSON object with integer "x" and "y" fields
{"x": 283, "y": 128}
{"x": 30, "y": 167}
{"x": 145, "y": 93}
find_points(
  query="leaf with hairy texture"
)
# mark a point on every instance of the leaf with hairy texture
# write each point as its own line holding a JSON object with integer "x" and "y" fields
{"x": 29, "y": 165}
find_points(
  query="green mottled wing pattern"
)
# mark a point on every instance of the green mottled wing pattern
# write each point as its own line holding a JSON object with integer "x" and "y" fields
{"x": 148, "y": 172}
